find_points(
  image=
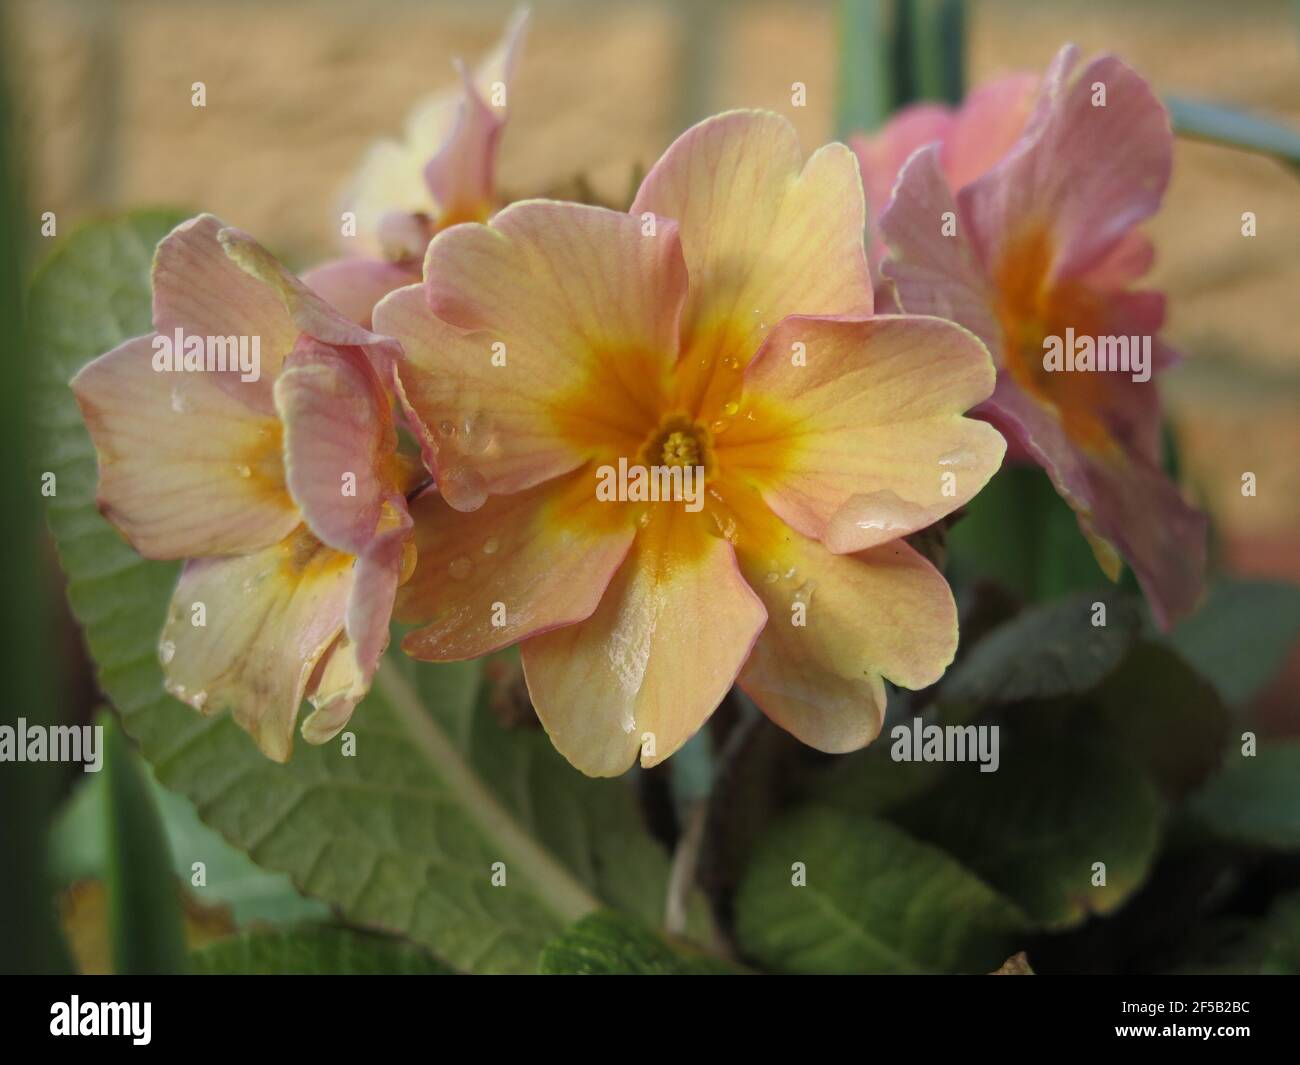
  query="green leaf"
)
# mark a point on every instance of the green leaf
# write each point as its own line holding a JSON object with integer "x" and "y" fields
{"x": 1058, "y": 802}
{"x": 607, "y": 943}
{"x": 1235, "y": 129}
{"x": 1164, "y": 714}
{"x": 876, "y": 901}
{"x": 144, "y": 905}
{"x": 1255, "y": 802}
{"x": 402, "y": 837}
{"x": 1241, "y": 636}
{"x": 314, "y": 950}
{"x": 1046, "y": 651}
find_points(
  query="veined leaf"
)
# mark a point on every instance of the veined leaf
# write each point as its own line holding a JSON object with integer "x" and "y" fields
{"x": 314, "y": 950}
{"x": 609, "y": 943}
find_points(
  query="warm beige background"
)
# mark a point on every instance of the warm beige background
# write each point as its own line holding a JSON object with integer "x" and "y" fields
{"x": 296, "y": 90}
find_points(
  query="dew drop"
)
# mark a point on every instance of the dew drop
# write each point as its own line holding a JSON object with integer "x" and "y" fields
{"x": 960, "y": 457}
{"x": 643, "y": 519}
{"x": 447, "y": 427}
{"x": 464, "y": 489}
{"x": 476, "y": 433}
{"x": 166, "y": 652}
{"x": 179, "y": 403}
{"x": 460, "y": 568}
{"x": 731, "y": 362}
{"x": 490, "y": 545}
{"x": 198, "y": 699}
{"x": 720, "y": 426}
{"x": 771, "y": 577}
{"x": 244, "y": 470}
{"x": 731, "y": 408}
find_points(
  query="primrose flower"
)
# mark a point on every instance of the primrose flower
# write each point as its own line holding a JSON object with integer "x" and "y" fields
{"x": 1036, "y": 258}
{"x": 710, "y": 360}
{"x": 278, "y": 479}
{"x": 442, "y": 171}
{"x": 971, "y": 139}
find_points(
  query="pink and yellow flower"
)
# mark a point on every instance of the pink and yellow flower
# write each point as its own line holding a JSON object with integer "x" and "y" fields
{"x": 440, "y": 172}
{"x": 1045, "y": 246}
{"x": 971, "y": 140}
{"x": 725, "y": 323}
{"x": 281, "y": 485}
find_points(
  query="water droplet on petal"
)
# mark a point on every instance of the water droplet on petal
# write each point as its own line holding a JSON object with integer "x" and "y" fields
{"x": 447, "y": 427}
{"x": 460, "y": 568}
{"x": 643, "y": 519}
{"x": 731, "y": 408}
{"x": 244, "y": 470}
{"x": 166, "y": 652}
{"x": 771, "y": 577}
{"x": 464, "y": 489}
{"x": 476, "y": 433}
{"x": 731, "y": 362}
{"x": 490, "y": 545}
{"x": 960, "y": 457}
{"x": 198, "y": 699}
{"x": 179, "y": 403}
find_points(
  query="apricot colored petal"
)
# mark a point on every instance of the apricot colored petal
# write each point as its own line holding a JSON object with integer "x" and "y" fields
{"x": 268, "y": 618}
{"x": 338, "y": 443}
{"x": 864, "y": 440}
{"x": 553, "y": 328}
{"x": 347, "y": 669}
{"x": 186, "y": 468}
{"x": 521, "y": 565}
{"x": 932, "y": 269}
{"x": 200, "y": 290}
{"x": 461, "y": 176}
{"x": 354, "y": 286}
{"x": 1091, "y": 172}
{"x": 837, "y": 625}
{"x": 1122, "y": 499}
{"x": 309, "y": 313}
{"x": 656, "y": 658}
{"x": 764, "y": 233}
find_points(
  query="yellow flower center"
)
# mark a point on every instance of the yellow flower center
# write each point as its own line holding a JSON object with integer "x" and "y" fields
{"x": 678, "y": 442}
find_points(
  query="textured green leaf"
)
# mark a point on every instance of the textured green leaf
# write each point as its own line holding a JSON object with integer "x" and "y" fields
{"x": 1255, "y": 801}
{"x": 314, "y": 950}
{"x": 1163, "y": 713}
{"x": 1046, "y": 651}
{"x": 876, "y": 901}
{"x": 608, "y": 943}
{"x": 401, "y": 837}
{"x": 1240, "y": 637}
{"x": 1057, "y": 803}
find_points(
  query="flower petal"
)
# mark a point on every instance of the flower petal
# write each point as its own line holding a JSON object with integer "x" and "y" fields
{"x": 989, "y": 123}
{"x": 933, "y": 269}
{"x": 461, "y": 176}
{"x": 354, "y": 286}
{"x": 269, "y": 617}
{"x": 547, "y": 338}
{"x": 1122, "y": 498}
{"x": 764, "y": 234}
{"x": 345, "y": 673}
{"x": 199, "y": 290}
{"x": 656, "y": 658}
{"x": 836, "y": 625}
{"x": 859, "y": 438}
{"x": 521, "y": 565}
{"x": 1092, "y": 171}
{"x": 339, "y": 443}
{"x": 186, "y": 468}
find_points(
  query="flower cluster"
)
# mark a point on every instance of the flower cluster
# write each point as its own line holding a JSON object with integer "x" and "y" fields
{"x": 664, "y": 451}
